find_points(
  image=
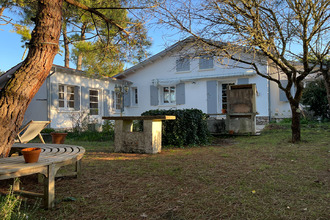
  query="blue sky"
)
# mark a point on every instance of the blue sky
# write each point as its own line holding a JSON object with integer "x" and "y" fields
{"x": 12, "y": 51}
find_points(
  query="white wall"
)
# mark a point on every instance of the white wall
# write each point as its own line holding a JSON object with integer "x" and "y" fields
{"x": 195, "y": 90}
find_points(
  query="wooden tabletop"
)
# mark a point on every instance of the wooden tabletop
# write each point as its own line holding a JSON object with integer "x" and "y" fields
{"x": 56, "y": 154}
{"x": 148, "y": 117}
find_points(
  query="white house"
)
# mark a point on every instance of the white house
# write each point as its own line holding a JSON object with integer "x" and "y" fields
{"x": 68, "y": 96}
{"x": 172, "y": 79}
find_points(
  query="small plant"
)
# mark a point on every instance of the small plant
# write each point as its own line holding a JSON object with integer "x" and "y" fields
{"x": 10, "y": 207}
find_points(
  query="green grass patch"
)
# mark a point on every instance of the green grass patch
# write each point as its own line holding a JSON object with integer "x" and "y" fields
{"x": 247, "y": 177}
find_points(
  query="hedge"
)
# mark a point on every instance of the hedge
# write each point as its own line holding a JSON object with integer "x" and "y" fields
{"x": 189, "y": 128}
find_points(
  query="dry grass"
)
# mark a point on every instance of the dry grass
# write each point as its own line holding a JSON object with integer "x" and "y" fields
{"x": 257, "y": 177}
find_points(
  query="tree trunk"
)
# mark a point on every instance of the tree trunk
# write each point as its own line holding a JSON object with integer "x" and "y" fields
{"x": 295, "y": 124}
{"x": 66, "y": 45}
{"x": 21, "y": 88}
{"x": 82, "y": 38}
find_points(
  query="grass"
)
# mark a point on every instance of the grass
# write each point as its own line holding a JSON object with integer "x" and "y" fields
{"x": 250, "y": 177}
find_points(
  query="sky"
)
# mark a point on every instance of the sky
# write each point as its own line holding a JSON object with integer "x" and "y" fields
{"x": 12, "y": 50}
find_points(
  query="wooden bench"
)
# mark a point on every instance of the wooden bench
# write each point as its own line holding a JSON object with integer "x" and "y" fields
{"x": 149, "y": 141}
{"x": 52, "y": 158}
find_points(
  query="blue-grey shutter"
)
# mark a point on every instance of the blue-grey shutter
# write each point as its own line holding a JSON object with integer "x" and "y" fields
{"x": 182, "y": 64}
{"x": 54, "y": 94}
{"x": 206, "y": 62}
{"x": 283, "y": 97}
{"x": 106, "y": 103}
{"x": 242, "y": 81}
{"x": 153, "y": 95}
{"x": 211, "y": 87}
{"x": 180, "y": 94}
{"x": 127, "y": 98}
{"x": 76, "y": 98}
{"x": 84, "y": 98}
{"x": 113, "y": 99}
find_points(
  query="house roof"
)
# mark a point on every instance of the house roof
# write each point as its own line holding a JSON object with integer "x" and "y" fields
{"x": 8, "y": 74}
{"x": 155, "y": 57}
{"x": 72, "y": 71}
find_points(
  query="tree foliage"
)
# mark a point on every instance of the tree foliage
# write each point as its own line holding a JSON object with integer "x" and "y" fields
{"x": 279, "y": 31}
{"x": 95, "y": 45}
{"x": 315, "y": 98}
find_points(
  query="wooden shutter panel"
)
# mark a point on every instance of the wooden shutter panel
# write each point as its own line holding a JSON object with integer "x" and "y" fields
{"x": 283, "y": 97}
{"x": 76, "y": 98}
{"x": 180, "y": 94}
{"x": 211, "y": 87}
{"x": 127, "y": 98}
{"x": 54, "y": 94}
{"x": 153, "y": 95}
{"x": 84, "y": 98}
{"x": 106, "y": 103}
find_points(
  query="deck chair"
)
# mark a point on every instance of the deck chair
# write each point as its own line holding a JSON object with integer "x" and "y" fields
{"x": 30, "y": 131}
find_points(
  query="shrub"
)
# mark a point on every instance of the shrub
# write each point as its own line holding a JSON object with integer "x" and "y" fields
{"x": 315, "y": 98}
{"x": 189, "y": 128}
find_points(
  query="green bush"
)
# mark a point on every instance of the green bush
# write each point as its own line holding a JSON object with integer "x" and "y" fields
{"x": 315, "y": 98}
{"x": 189, "y": 128}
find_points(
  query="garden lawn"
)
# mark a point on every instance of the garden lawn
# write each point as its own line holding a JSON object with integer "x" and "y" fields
{"x": 248, "y": 177}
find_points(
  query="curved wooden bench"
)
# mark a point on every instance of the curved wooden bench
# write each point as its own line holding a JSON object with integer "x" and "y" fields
{"x": 52, "y": 158}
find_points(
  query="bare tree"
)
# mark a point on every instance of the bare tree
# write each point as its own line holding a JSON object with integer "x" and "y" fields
{"x": 280, "y": 30}
{"x": 28, "y": 78}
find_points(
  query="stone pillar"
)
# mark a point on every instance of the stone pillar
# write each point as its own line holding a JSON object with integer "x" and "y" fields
{"x": 152, "y": 130}
{"x": 121, "y": 126}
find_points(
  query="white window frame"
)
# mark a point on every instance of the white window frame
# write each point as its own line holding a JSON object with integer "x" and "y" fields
{"x": 208, "y": 60}
{"x": 163, "y": 94}
{"x": 135, "y": 96}
{"x": 179, "y": 62}
{"x": 65, "y": 98}
{"x": 93, "y": 102}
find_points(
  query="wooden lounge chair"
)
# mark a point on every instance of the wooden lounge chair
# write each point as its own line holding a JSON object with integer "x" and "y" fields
{"x": 30, "y": 131}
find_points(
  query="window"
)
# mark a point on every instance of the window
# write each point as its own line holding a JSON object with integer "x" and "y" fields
{"x": 66, "y": 96}
{"x": 224, "y": 95}
{"x": 182, "y": 64}
{"x": 205, "y": 62}
{"x": 135, "y": 99}
{"x": 94, "y": 102}
{"x": 169, "y": 94}
{"x": 118, "y": 100}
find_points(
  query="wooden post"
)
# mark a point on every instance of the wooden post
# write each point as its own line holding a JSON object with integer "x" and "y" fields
{"x": 49, "y": 187}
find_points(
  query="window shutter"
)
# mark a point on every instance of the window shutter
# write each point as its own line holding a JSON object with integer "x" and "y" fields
{"x": 113, "y": 99}
{"x": 180, "y": 94}
{"x": 54, "y": 95}
{"x": 206, "y": 62}
{"x": 182, "y": 64}
{"x": 242, "y": 81}
{"x": 283, "y": 97}
{"x": 211, "y": 87}
{"x": 106, "y": 103}
{"x": 127, "y": 98}
{"x": 76, "y": 98}
{"x": 84, "y": 98}
{"x": 153, "y": 95}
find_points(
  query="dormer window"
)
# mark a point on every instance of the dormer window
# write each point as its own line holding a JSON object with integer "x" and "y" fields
{"x": 182, "y": 64}
{"x": 206, "y": 62}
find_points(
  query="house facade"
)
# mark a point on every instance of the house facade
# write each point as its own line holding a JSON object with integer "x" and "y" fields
{"x": 173, "y": 80}
{"x": 70, "y": 97}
